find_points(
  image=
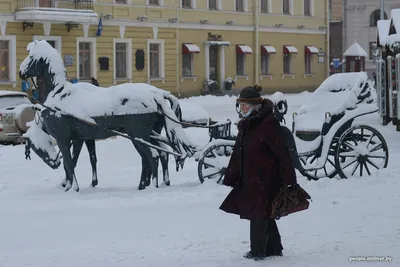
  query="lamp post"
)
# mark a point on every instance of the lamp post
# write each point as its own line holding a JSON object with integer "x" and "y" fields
{"x": 382, "y": 9}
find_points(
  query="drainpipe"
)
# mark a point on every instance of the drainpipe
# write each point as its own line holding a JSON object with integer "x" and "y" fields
{"x": 257, "y": 50}
{"x": 177, "y": 49}
{"x": 344, "y": 31}
{"x": 327, "y": 39}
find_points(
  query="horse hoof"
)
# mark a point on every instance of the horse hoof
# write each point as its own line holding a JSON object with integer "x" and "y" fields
{"x": 64, "y": 185}
{"x": 168, "y": 183}
{"x": 94, "y": 183}
{"x": 141, "y": 187}
{"x": 68, "y": 186}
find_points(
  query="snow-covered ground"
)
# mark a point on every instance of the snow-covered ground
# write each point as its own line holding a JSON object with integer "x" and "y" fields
{"x": 181, "y": 225}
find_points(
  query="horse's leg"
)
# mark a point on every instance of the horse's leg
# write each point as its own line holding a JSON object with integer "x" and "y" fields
{"x": 145, "y": 167}
{"x": 150, "y": 156}
{"x": 91, "y": 147}
{"x": 76, "y": 150}
{"x": 68, "y": 165}
{"x": 164, "y": 157}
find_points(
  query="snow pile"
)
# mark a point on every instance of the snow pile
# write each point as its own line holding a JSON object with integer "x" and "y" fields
{"x": 337, "y": 93}
{"x": 277, "y": 97}
{"x": 192, "y": 112}
{"x": 395, "y": 17}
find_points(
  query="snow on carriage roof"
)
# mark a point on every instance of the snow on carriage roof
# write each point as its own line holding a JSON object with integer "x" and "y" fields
{"x": 391, "y": 39}
{"x": 334, "y": 95}
{"x": 395, "y": 17}
{"x": 383, "y": 27}
{"x": 355, "y": 50}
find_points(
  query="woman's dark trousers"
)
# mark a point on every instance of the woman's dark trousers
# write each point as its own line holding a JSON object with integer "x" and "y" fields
{"x": 265, "y": 239}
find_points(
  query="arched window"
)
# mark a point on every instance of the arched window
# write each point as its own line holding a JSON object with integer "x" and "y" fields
{"x": 375, "y": 16}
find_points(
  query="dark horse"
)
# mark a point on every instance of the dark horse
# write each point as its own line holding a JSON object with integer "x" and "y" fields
{"x": 69, "y": 130}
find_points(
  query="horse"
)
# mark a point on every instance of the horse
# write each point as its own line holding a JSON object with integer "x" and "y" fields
{"x": 135, "y": 110}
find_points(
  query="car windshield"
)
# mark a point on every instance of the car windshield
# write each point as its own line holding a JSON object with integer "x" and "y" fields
{"x": 10, "y": 101}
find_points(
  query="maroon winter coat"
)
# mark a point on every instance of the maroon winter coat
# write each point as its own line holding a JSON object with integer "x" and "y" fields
{"x": 259, "y": 166}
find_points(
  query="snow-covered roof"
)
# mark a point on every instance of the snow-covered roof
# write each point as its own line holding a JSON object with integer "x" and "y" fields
{"x": 383, "y": 27}
{"x": 395, "y": 18}
{"x": 355, "y": 50}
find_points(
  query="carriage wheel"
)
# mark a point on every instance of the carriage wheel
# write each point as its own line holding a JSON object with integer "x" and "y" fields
{"x": 213, "y": 163}
{"x": 329, "y": 169}
{"x": 361, "y": 149}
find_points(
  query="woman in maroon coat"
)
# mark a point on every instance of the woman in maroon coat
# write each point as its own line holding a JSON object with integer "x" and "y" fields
{"x": 259, "y": 167}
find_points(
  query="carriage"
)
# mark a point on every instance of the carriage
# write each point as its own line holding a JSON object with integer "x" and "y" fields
{"x": 323, "y": 140}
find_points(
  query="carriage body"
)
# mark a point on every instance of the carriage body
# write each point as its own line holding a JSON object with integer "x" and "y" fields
{"x": 323, "y": 140}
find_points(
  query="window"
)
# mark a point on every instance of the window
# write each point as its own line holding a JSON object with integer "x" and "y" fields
{"x": 240, "y": 59}
{"x": 154, "y": 2}
{"x": 265, "y": 67}
{"x": 54, "y": 41}
{"x": 264, "y": 6}
{"x": 122, "y": 58}
{"x": 120, "y": 1}
{"x": 375, "y": 16}
{"x": 187, "y": 4}
{"x": 372, "y": 50}
{"x": 330, "y": 9}
{"x": 287, "y": 64}
{"x": 4, "y": 61}
{"x": 307, "y": 7}
{"x": 86, "y": 58}
{"x": 45, "y": 3}
{"x": 8, "y": 59}
{"x": 187, "y": 65}
{"x": 212, "y": 4}
{"x": 308, "y": 63}
{"x": 239, "y": 5}
{"x": 286, "y": 7}
{"x": 155, "y": 59}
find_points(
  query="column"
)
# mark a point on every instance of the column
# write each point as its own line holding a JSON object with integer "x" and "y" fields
{"x": 207, "y": 60}
{"x": 221, "y": 54}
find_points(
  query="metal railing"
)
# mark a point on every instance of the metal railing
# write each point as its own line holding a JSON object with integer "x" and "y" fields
{"x": 62, "y": 4}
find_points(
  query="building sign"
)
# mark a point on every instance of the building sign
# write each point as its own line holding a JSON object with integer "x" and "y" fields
{"x": 68, "y": 60}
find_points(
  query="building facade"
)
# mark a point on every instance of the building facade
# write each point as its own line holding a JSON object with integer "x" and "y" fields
{"x": 176, "y": 45}
{"x": 360, "y": 25}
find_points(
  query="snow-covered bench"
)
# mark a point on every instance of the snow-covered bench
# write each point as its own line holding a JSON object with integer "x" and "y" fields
{"x": 328, "y": 104}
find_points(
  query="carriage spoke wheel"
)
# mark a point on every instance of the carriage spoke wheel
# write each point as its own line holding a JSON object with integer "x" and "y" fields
{"x": 329, "y": 169}
{"x": 213, "y": 163}
{"x": 361, "y": 149}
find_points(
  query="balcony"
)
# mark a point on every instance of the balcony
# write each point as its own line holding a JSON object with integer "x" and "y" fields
{"x": 71, "y": 11}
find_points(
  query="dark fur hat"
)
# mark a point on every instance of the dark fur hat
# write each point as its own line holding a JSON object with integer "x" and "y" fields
{"x": 250, "y": 95}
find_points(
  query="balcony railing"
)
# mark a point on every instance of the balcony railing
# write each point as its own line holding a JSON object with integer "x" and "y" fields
{"x": 61, "y": 4}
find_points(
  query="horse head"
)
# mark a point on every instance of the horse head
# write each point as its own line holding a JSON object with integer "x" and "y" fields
{"x": 42, "y": 144}
{"x": 45, "y": 63}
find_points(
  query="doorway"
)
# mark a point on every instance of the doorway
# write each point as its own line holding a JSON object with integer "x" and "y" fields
{"x": 214, "y": 62}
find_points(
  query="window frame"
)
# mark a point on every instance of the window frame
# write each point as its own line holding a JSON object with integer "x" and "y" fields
{"x": 161, "y": 55}
{"x": 290, "y": 7}
{"x": 217, "y": 5}
{"x": 308, "y": 60}
{"x": 160, "y": 3}
{"x": 242, "y": 57}
{"x": 245, "y": 6}
{"x": 192, "y": 4}
{"x": 93, "y": 55}
{"x": 290, "y": 70}
{"x": 12, "y": 59}
{"x": 267, "y": 60}
{"x": 190, "y": 55}
{"x": 268, "y": 4}
{"x": 128, "y": 42}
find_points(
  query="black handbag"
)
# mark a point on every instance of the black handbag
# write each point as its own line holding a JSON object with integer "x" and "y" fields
{"x": 290, "y": 200}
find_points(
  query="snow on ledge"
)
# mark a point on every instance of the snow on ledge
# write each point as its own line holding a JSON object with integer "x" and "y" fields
{"x": 395, "y": 17}
{"x": 391, "y": 39}
{"x": 355, "y": 50}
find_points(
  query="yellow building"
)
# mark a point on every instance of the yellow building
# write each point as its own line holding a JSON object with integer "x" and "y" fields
{"x": 173, "y": 44}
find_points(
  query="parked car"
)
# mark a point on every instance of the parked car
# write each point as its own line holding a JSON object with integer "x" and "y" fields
{"x": 15, "y": 111}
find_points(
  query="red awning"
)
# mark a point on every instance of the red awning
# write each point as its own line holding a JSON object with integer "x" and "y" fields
{"x": 289, "y": 49}
{"x": 309, "y": 49}
{"x": 268, "y": 49}
{"x": 190, "y": 49}
{"x": 243, "y": 49}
